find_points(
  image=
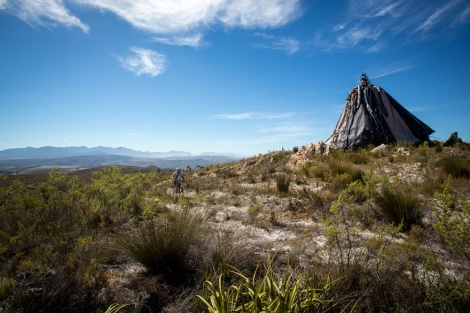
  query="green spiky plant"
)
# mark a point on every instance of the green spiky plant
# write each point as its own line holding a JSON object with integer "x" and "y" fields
{"x": 163, "y": 243}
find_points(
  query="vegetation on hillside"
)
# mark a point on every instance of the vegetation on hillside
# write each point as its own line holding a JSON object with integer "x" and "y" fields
{"x": 361, "y": 232}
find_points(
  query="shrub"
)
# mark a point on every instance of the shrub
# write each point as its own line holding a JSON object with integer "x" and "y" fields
{"x": 295, "y": 149}
{"x": 453, "y": 225}
{"x": 399, "y": 205}
{"x": 254, "y": 210}
{"x": 282, "y": 183}
{"x": 163, "y": 243}
{"x": 266, "y": 292}
{"x": 339, "y": 168}
{"x": 357, "y": 157}
{"x": 457, "y": 167}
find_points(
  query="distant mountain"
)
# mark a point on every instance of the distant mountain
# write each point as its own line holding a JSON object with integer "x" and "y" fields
{"x": 22, "y": 159}
{"x": 20, "y": 165}
{"x": 58, "y": 152}
{"x": 230, "y": 155}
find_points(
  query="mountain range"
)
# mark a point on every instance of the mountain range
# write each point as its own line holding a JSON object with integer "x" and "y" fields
{"x": 61, "y": 152}
{"x": 30, "y": 160}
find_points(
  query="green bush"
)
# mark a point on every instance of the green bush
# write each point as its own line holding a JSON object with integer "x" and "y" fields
{"x": 282, "y": 183}
{"x": 339, "y": 168}
{"x": 457, "y": 167}
{"x": 295, "y": 149}
{"x": 452, "y": 225}
{"x": 357, "y": 157}
{"x": 293, "y": 291}
{"x": 400, "y": 205}
{"x": 163, "y": 243}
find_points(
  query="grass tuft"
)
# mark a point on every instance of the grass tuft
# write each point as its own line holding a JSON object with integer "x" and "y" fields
{"x": 456, "y": 166}
{"x": 282, "y": 183}
{"x": 400, "y": 206}
{"x": 163, "y": 243}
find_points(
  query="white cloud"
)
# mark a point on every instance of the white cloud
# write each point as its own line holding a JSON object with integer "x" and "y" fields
{"x": 192, "y": 41}
{"x": 285, "y": 128}
{"x": 258, "y": 13}
{"x": 144, "y": 61}
{"x": 180, "y": 17}
{"x": 418, "y": 109}
{"x": 464, "y": 16}
{"x": 288, "y": 44}
{"x": 373, "y": 24}
{"x": 178, "y": 20}
{"x": 436, "y": 17}
{"x": 242, "y": 116}
{"x": 43, "y": 12}
{"x": 381, "y": 70}
{"x": 278, "y": 138}
{"x": 254, "y": 115}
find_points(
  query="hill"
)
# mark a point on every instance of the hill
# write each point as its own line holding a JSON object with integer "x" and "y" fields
{"x": 384, "y": 230}
{"x": 60, "y": 152}
{"x": 74, "y": 163}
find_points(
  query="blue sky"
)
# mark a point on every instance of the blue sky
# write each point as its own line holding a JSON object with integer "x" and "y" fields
{"x": 246, "y": 76}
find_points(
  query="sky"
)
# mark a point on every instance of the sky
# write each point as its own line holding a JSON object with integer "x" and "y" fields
{"x": 227, "y": 76}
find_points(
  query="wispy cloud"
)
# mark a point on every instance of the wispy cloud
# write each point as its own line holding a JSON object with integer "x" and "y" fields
{"x": 177, "y": 19}
{"x": 144, "y": 62}
{"x": 438, "y": 15}
{"x": 383, "y": 69}
{"x": 418, "y": 109}
{"x": 287, "y": 128}
{"x": 174, "y": 21}
{"x": 278, "y": 138}
{"x": 254, "y": 115}
{"x": 6, "y": 145}
{"x": 372, "y": 25}
{"x": 271, "y": 128}
{"x": 191, "y": 41}
{"x": 287, "y": 44}
{"x": 43, "y": 12}
{"x": 464, "y": 16}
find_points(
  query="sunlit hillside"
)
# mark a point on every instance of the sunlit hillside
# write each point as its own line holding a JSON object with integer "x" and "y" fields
{"x": 298, "y": 230}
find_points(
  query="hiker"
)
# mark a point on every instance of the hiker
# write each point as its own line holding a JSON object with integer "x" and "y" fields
{"x": 177, "y": 176}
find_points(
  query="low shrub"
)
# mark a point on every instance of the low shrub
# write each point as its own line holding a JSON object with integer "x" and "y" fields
{"x": 339, "y": 168}
{"x": 163, "y": 243}
{"x": 456, "y": 166}
{"x": 357, "y": 157}
{"x": 400, "y": 205}
{"x": 452, "y": 225}
{"x": 254, "y": 210}
{"x": 282, "y": 183}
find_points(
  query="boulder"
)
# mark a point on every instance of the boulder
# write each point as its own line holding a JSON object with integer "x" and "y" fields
{"x": 453, "y": 139}
{"x": 306, "y": 152}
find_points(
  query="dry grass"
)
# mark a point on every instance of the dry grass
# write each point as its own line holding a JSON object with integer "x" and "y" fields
{"x": 247, "y": 215}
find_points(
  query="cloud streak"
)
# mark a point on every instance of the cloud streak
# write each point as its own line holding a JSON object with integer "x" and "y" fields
{"x": 372, "y": 25}
{"x": 43, "y": 12}
{"x": 144, "y": 62}
{"x": 287, "y": 44}
{"x": 269, "y": 128}
{"x": 254, "y": 115}
{"x": 184, "y": 22}
{"x": 178, "y": 22}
